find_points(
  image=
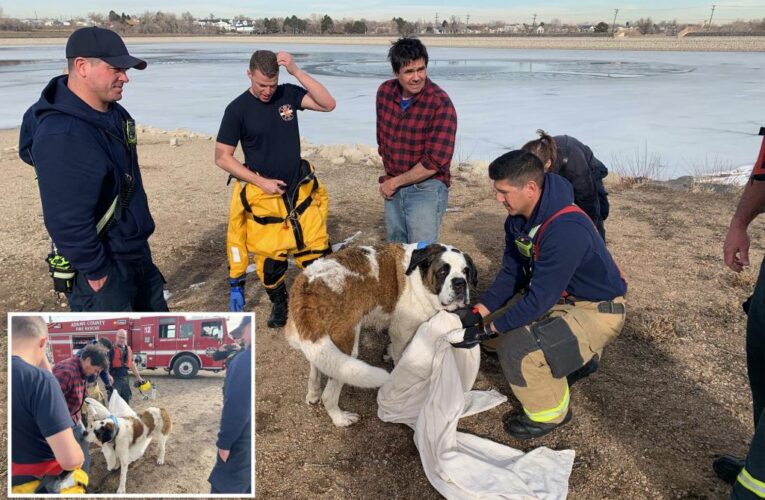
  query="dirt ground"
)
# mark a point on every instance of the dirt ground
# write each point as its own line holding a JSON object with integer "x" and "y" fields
{"x": 671, "y": 391}
{"x": 194, "y": 406}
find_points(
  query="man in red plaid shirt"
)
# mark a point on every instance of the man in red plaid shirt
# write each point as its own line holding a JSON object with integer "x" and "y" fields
{"x": 416, "y": 127}
{"x": 72, "y": 374}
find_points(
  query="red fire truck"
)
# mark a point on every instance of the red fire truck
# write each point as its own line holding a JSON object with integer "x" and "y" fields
{"x": 175, "y": 343}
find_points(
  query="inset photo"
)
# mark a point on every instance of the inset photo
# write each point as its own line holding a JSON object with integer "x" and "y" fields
{"x": 131, "y": 404}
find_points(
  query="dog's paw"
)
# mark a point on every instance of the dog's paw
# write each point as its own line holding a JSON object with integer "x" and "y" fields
{"x": 345, "y": 418}
{"x": 160, "y": 461}
{"x": 455, "y": 336}
{"x": 120, "y": 490}
{"x": 313, "y": 399}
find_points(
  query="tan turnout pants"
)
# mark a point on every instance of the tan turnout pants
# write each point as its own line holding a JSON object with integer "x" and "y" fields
{"x": 537, "y": 357}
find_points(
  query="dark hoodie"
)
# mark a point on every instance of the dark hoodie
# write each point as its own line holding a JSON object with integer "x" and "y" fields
{"x": 572, "y": 257}
{"x": 576, "y": 162}
{"x": 82, "y": 158}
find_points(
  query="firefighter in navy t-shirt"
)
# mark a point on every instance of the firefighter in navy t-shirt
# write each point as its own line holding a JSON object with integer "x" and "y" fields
{"x": 43, "y": 446}
{"x": 277, "y": 207}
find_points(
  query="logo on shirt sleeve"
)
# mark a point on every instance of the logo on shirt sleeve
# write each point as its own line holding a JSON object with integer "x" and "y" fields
{"x": 286, "y": 112}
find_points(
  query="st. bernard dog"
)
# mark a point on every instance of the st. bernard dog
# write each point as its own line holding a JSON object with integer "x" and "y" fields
{"x": 398, "y": 286}
{"x": 124, "y": 440}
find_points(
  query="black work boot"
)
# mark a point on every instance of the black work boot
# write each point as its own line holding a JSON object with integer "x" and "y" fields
{"x": 279, "y": 307}
{"x": 728, "y": 467}
{"x": 522, "y": 427}
{"x": 585, "y": 371}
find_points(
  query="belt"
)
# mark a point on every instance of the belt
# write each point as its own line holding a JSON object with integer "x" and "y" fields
{"x": 604, "y": 306}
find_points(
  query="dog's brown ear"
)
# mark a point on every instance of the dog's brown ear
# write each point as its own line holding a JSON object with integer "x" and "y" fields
{"x": 472, "y": 275}
{"x": 423, "y": 255}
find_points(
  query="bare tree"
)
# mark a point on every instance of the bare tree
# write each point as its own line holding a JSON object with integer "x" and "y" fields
{"x": 96, "y": 18}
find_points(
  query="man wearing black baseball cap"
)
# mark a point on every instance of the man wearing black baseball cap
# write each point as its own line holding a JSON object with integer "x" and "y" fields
{"x": 83, "y": 147}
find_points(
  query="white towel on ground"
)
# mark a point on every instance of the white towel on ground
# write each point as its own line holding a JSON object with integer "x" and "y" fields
{"x": 429, "y": 390}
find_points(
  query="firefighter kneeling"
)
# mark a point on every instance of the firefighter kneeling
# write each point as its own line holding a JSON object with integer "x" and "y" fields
{"x": 46, "y": 457}
{"x": 271, "y": 227}
{"x": 567, "y": 294}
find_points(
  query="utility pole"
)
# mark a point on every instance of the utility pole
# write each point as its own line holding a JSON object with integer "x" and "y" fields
{"x": 467, "y": 23}
{"x": 613, "y": 25}
{"x": 709, "y": 24}
{"x": 534, "y": 21}
{"x": 436, "y": 27}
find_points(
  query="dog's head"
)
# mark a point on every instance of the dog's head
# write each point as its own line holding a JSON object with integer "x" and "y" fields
{"x": 446, "y": 272}
{"x": 101, "y": 431}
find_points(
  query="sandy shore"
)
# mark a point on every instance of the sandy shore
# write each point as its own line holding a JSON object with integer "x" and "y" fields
{"x": 661, "y": 43}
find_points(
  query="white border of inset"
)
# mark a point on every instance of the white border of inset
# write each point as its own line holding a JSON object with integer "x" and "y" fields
{"x": 47, "y": 315}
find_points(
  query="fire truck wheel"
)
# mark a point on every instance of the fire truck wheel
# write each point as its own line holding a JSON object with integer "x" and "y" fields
{"x": 186, "y": 367}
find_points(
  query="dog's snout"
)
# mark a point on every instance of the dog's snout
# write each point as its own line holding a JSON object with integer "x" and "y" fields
{"x": 459, "y": 285}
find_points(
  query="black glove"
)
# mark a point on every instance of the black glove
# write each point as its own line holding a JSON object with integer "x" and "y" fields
{"x": 469, "y": 316}
{"x": 474, "y": 335}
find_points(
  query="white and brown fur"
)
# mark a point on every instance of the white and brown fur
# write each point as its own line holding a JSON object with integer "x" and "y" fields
{"x": 392, "y": 285}
{"x": 133, "y": 436}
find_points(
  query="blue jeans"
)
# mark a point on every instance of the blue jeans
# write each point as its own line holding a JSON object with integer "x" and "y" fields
{"x": 415, "y": 212}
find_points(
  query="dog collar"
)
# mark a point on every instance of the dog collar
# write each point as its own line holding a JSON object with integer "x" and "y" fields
{"x": 116, "y": 427}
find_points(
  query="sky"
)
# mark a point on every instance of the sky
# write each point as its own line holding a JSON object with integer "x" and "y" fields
{"x": 484, "y": 11}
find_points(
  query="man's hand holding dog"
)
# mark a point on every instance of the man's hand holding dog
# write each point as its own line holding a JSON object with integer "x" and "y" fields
{"x": 223, "y": 454}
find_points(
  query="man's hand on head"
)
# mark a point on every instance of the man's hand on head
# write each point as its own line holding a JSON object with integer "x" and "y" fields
{"x": 285, "y": 59}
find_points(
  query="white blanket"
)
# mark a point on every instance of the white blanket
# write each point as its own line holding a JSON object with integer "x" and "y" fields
{"x": 429, "y": 390}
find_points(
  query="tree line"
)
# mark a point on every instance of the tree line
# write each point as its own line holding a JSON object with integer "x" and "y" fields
{"x": 316, "y": 24}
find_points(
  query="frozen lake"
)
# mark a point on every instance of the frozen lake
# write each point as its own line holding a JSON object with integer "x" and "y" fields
{"x": 696, "y": 111}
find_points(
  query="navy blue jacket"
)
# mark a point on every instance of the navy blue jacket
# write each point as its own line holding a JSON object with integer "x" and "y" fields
{"x": 82, "y": 158}
{"x": 576, "y": 162}
{"x": 572, "y": 257}
{"x": 235, "y": 475}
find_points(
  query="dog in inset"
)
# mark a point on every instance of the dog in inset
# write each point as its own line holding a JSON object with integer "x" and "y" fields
{"x": 398, "y": 286}
{"x": 123, "y": 440}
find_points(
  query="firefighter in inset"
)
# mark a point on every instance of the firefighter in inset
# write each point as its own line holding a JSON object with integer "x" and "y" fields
{"x": 232, "y": 472}
{"x": 278, "y": 207}
{"x": 120, "y": 360}
{"x": 44, "y": 449}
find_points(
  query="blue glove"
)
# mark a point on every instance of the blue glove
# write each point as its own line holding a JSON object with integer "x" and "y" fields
{"x": 236, "y": 300}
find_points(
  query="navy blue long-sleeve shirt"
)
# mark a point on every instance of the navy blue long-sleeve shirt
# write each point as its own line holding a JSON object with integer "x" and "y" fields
{"x": 572, "y": 258}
